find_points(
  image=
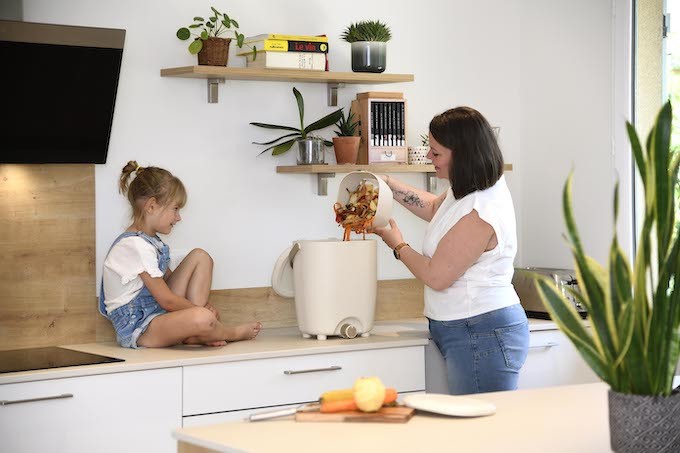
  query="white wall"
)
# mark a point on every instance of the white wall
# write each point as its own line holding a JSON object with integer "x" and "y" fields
{"x": 534, "y": 68}
{"x": 574, "y": 91}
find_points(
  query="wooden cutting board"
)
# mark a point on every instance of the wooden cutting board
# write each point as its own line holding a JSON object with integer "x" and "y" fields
{"x": 396, "y": 414}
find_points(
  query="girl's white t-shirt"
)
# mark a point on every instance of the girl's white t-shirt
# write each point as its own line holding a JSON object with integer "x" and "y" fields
{"x": 127, "y": 259}
{"x": 487, "y": 284}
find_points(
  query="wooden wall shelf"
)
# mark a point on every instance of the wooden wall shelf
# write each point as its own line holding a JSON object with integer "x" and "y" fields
{"x": 323, "y": 172}
{"x": 334, "y": 80}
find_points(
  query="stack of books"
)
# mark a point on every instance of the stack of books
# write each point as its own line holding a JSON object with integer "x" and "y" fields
{"x": 286, "y": 52}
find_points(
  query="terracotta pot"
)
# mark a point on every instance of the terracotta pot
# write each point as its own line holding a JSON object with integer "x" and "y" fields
{"x": 346, "y": 149}
{"x": 215, "y": 52}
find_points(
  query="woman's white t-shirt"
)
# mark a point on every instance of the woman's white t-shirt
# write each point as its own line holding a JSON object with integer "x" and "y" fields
{"x": 126, "y": 260}
{"x": 487, "y": 284}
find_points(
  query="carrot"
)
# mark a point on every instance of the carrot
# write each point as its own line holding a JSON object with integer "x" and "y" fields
{"x": 328, "y": 407}
{"x": 390, "y": 395}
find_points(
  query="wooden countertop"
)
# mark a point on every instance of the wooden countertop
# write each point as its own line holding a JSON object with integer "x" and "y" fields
{"x": 557, "y": 419}
{"x": 279, "y": 342}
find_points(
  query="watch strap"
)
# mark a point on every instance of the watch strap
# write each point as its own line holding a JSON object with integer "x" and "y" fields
{"x": 396, "y": 250}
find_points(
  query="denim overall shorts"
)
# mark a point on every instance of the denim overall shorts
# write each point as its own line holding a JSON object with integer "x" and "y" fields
{"x": 132, "y": 319}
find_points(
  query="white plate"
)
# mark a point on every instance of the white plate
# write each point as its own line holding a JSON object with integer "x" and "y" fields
{"x": 457, "y": 406}
{"x": 282, "y": 276}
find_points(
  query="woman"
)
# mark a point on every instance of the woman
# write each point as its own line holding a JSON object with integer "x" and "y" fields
{"x": 467, "y": 261}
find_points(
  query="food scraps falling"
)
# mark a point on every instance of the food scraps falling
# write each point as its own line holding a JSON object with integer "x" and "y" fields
{"x": 357, "y": 215}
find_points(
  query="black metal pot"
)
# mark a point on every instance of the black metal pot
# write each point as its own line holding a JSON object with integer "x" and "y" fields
{"x": 640, "y": 423}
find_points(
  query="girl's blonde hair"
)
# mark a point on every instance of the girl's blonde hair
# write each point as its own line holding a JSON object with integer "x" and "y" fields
{"x": 150, "y": 182}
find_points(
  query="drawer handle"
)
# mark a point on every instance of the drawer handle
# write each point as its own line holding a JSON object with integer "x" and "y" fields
{"x": 548, "y": 345}
{"x": 31, "y": 400}
{"x": 313, "y": 370}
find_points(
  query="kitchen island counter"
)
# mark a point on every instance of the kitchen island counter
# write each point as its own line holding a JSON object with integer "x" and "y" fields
{"x": 555, "y": 420}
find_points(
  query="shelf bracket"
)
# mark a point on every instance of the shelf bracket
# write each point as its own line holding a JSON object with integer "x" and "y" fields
{"x": 332, "y": 89}
{"x": 322, "y": 183}
{"x": 213, "y": 90}
{"x": 431, "y": 180}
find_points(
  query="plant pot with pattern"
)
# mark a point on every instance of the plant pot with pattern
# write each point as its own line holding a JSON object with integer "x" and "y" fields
{"x": 633, "y": 343}
{"x": 212, "y": 49}
{"x": 346, "y": 144}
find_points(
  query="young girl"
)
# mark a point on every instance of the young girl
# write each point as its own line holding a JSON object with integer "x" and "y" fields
{"x": 148, "y": 304}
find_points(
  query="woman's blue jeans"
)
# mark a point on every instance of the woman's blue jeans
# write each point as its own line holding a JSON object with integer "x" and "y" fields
{"x": 483, "y": 353}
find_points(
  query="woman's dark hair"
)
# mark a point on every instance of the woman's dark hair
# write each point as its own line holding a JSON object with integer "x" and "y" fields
{"x": 476, "y": 160}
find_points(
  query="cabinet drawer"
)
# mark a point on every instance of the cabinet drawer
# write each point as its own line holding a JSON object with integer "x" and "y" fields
{"x": 291, "y": 380}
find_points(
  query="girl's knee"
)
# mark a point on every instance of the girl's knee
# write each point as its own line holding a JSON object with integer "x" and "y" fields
{"x": 202, "y": 256}
{"x": 202, "y": 319}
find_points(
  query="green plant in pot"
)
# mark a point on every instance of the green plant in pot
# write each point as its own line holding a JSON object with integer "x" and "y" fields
{"x": 212, "y": 49}
{"x": 346, "y": 144}
{"x": 310, "y": 148}
{"x": 369, "y": 45}
{"x": 633, "y": 343}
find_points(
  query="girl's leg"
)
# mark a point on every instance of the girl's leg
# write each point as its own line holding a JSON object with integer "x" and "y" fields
{"x": 193, "y": 277}
{"x": 195, "y": 325}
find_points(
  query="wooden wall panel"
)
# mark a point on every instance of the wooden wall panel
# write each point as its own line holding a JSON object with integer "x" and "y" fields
{"x": 47, "y": 264}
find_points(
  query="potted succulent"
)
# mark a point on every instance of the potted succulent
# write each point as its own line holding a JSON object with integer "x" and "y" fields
{"x": 346, "y": 144}
{"x": 310, "y": 148}
{"x": 633, "y": 343}
{"x": 369, "y": 49}
{"x": 212, "y": 50}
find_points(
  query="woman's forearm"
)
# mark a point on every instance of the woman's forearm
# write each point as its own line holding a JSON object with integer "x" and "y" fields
{"x": 419, "y": 202}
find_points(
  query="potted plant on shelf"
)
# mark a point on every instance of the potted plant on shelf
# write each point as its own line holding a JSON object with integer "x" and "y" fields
{"x": 369, "y": 45}
{"x": 418, "y": 154}
{"x": 346, "y": 144}
{"x": 212, "y": 50}
{"x": 633, "y": 342}
{"x": 310, "y": 148}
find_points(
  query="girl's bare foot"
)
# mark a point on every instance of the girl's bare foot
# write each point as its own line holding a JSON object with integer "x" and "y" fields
{"x": 244, "y": 331}
{"x": 216, "y": 343}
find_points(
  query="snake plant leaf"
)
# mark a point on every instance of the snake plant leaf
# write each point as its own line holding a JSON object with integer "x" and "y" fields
{"x": 664, "y": 187}
{"x": 565, "y": 315}
{"x": 183, "y": 33}
{"x": 326, "y": 121}
{"x": 301, "y": 110}
{"x": 195, "y": 46}
{"x": 637, "y": 150}
{"x": 282, "y": 148}
{"x": 275, "y": 126}
{"x": 295, "y": 134}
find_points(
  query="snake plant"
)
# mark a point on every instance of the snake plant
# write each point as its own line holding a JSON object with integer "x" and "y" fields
{"x": 633, "y": 342}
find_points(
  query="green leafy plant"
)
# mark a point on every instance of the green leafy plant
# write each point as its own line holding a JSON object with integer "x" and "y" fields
{"x": 634, "y": 338}
{"x": 216, "y": 25}
{"x": 367, "y": 30}
{"x": 346, "y": 128}
{"x": 424, "y": 140}
{"x": 280, "y": 147}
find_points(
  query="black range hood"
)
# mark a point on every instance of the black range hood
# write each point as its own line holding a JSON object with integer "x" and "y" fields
{"x": 58, "y": 90}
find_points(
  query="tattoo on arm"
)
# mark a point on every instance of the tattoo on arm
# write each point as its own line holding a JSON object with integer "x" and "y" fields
{"x": 410, "y": 198}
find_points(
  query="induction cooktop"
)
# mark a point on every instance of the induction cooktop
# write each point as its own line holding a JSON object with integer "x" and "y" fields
{"x": 49, "y": 357}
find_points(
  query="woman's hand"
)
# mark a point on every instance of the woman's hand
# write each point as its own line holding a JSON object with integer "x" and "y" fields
{"x": 392, "y": 235}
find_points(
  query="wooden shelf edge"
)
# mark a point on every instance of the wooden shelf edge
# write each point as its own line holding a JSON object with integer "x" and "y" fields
{"x": 375, "y": 168}
{"x": 230, "y": 73}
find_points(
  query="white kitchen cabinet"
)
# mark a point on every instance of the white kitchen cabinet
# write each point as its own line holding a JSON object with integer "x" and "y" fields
{"x": 121, "y": 412}
{"x": 552, "y": 360}
{"x": 257, "y": 384}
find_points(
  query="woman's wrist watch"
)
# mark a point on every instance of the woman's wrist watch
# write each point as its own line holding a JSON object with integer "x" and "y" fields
{"x": 397, "y": 255}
